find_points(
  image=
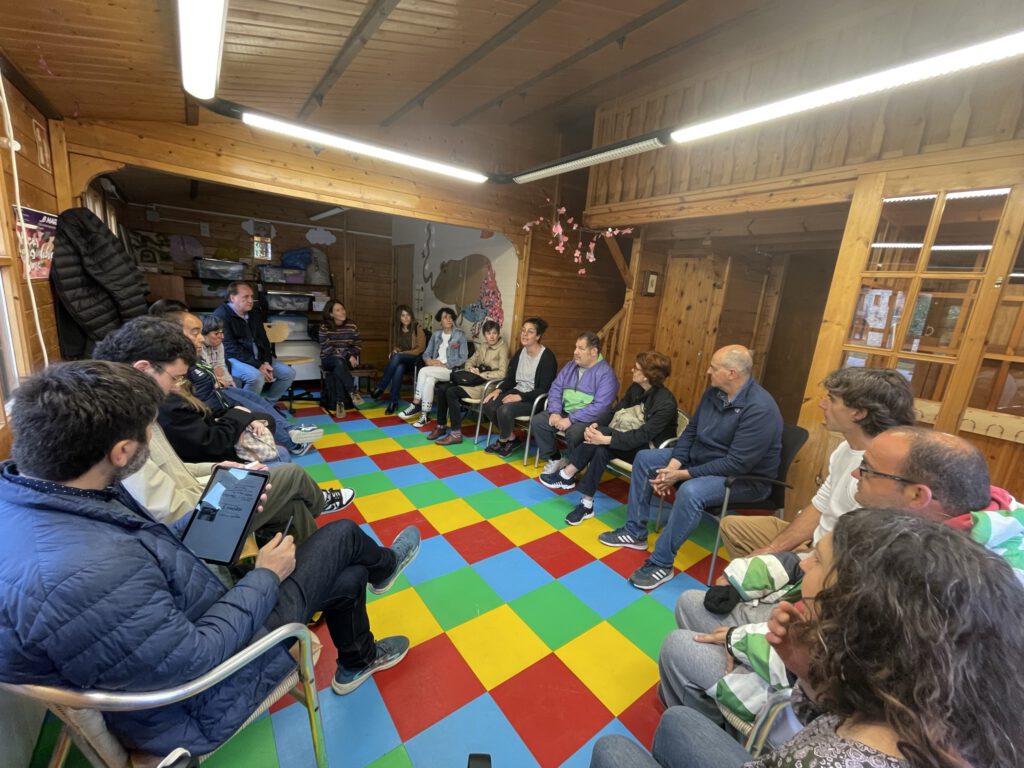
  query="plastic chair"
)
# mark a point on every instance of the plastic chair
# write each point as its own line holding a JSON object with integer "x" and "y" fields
{"x": 527, "y": 420}
{"x": 277, "y": 332}
{"x": 477, "y": 404}
{"x": 82, "y": 722}
{"x": 623, "y": 468}
{"x": 756, "y": 734}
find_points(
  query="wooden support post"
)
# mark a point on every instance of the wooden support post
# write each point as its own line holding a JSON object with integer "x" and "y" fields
{"x": 620, "y": 260}
{"x": 632, "y": 279}
{"x": 61, "y": 165}
{"x": 522, "y": 275}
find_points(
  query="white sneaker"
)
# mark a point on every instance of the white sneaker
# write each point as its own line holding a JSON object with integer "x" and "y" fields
{"x": 422, "y": 421}
{"x": 337, "y": 499}
{"x": 554, "y": 465}
{"x": 305, "y": 433}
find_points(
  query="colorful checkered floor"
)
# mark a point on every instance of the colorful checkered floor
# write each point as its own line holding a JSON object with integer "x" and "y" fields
{"x": 528, "y": 643}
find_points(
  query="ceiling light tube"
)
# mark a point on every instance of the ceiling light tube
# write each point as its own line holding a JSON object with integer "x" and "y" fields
{"x": 934, "y": 247}
{"x": 589, "y": 157}
{"x": 935, "y": 66}
{"x": 908, "y": 198}
{"x": 201, "y": 38}
{"x": 324, "y": 139}
{"x": 967, "y": 194}
{"x": 326, "y": 214}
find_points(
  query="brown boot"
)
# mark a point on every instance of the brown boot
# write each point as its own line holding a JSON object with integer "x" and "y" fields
{"x": 437, "y": 431}
{"x": 339, "y": 411}
{"x": 452, "y": 438}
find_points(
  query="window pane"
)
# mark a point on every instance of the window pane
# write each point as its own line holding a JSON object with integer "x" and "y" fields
{"x": 999, "y": 386}
{"x": 940, "y": 315}
{"x": 8, "y": 369}
{"x": 927, "y": 380}
{"x": 1006, "y": 333}
{"x": 878, "y": 311}
{"x": 966, "y": 231}
{"x": 900, "y": 234}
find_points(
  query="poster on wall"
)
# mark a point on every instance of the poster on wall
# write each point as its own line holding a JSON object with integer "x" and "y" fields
{"x": 37, "y": 238}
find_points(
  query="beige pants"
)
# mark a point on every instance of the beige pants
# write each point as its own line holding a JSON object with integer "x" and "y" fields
{"x": 742, "y": 534}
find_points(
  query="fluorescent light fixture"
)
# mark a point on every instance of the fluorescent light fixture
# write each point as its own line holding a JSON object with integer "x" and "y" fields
{"x": 588, "y": 158}
{"x": 908, "y": 198}
{"x": 934, "y": 247}
{"x": 324, "y": 139}
{"x": 327, "y": 213}
{"x": 201, "y": 35}
{"x": 934, "y": 66}
{"x": 966, "y": 195}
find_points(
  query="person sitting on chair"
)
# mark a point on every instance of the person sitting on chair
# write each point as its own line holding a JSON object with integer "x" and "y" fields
{"x": 247, "y": 347}
{"x": 646, "y": 415}
{"x": 340, "y": 348}
{"x": 410, "y": 341}
{"x": 446, "y": 351}
{"x": 736, "y": 430}
{"x": 98, "y": 595}
{"x": 530, "y": 373}
{"x": 487, "y": 363}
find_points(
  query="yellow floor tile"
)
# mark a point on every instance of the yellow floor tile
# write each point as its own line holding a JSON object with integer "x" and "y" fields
{"x": 614, "y": 669}
{"x": 585, "y": 535}
{"x": 521, "y": 526}
{"x": 386, "y": 445}
{"x": 529, "y": 470}
{"x": 403, "y": 613}
{"x": 429, "y": 452}
{"x": 377, "y": 506}
{"x": 689, "y": 555}
{"x": 451, "y": 515}
{"x": 498, "y": 645}
{"x": 333, "y": 441}
{"x": 481, "y": 460}
{"x": 375, "y": 412}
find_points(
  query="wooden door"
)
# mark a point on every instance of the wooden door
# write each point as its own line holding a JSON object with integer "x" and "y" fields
{"x": 688, "y": 327}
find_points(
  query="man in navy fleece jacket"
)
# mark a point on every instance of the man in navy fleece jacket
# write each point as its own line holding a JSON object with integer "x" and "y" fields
{"x": 737, "y": 430}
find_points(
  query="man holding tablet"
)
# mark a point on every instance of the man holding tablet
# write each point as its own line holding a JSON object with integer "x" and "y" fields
{"x": 95, "y": 593}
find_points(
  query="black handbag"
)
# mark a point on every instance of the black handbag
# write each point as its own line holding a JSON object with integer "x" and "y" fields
{"x": 467, "y": 379}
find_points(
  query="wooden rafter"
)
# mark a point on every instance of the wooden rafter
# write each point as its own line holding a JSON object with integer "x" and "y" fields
{"x": 364, "y": 29}
{"x": 614, "y": 36}
{"x": 620, "y": 260}
{"x": 537, "y": 10}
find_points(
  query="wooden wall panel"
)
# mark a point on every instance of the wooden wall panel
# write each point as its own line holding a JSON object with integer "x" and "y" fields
{"x": 1004, "y": 460}
{"x": 643, "y": 330}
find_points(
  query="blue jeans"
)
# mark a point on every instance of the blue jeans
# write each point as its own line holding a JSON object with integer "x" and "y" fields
{"x": 692, "y": 498}
{"x": 257, "y": 404}
{"x": 391, "y": 380}
{"x": 684, "y": 739}
{"x": 251, "y": 379}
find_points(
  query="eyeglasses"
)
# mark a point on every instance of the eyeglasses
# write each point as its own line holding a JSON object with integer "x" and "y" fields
{"x": 176, "y": 379}
{"x": 864, "y": 469}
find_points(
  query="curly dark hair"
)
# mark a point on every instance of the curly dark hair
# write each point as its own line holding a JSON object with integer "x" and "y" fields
{"x": 884, "y": 393}
{"x": 919, "y": 627}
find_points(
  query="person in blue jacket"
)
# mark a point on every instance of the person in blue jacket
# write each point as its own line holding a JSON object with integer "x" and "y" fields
{"x": 96, "y": 594}
{"x": 447, "y": 351}
{"x": 582, "y": 394}
{"x": 736, "y": 430}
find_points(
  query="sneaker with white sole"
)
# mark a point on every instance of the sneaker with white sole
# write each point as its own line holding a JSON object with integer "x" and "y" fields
{"x": 553, "y": 465}
{"x": 410, "y": 410}
{"x": 336, "y": 499}
{"x": 405, "y": 546}
{"x": 579, "y": 514}
{"x": 305, "y": 433}
{"x": 557, "y": 482}
{"x": 648, "y": 576}
{"x": 620, "y": 537}
{"x": 422, "y": 421}
{"x": 300, "y": 449}
{"x": 390, "y": 651}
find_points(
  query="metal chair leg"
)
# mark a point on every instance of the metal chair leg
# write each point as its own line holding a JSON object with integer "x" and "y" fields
{"x": 61, "y": 748}
{"x": 718, "y": 533}
{"x": 312, "y": 701}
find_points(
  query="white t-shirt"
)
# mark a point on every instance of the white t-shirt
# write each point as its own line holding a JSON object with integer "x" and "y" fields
{"x": 835, "y": 496}
{"x": 442, "y": 350}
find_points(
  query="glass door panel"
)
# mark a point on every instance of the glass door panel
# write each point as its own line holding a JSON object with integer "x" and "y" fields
{"x": 966, "y": 230}
{"x": 940, "y": 314}
{"x": 878, "y": 311}
{"x": 900, "y": 234}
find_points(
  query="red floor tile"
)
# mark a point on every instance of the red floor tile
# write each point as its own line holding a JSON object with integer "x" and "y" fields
{"x": 624, "y": 561}
{"x": 388, "y": 421}
{"x": 323, "y": 671}
{"x": 503, "y": 474}
{"x": 617, "y": 488}
{"x": 557, "y": 554}
{"x": 699, "y": 571}
{"x": 643, "y": 715}
{"x": 447, "y": 467}
{"x": 431, "y": 682}
{"x": 314, "y": 410}
{"x": 552, "y": 711}
{"x": 393, "y": 459}
{"x": 478, "y": 541}
{"x": 340, "y": 452}
{"x": 390, "y": 527}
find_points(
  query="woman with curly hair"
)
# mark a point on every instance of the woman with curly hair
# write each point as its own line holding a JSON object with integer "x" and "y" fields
{"x": 906, "y": 645}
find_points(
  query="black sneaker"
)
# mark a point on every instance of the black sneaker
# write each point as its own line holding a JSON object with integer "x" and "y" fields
{"x": 557, "y": 482}
{"x": 411, "y": 410}
{"x": 579, "y": 514}
{"x": 648, "y": 576}
{"x": 505, "y": 449}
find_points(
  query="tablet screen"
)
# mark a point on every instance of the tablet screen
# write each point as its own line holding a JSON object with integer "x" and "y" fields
{"x": 220, "y": 521}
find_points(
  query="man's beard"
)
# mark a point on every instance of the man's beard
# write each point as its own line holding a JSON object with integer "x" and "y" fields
{"x": 133, "y": 466}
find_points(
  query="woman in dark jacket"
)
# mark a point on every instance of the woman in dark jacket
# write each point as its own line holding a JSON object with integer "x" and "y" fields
{"x": 340, "y": 350}
{"x": 410, "y": 341}
{"x": 655, "y": 423}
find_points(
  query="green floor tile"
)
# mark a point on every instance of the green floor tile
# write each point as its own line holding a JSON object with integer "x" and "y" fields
{"x": 366, "y": 435}
{"x": 458, "y": 597}
{"x": 400, "y": 583}
{"x": 555, "y": 614}
{"x": 615, "y": 517}
{"x": 253, "y": 747}
{"x": 553, "y": 511}
{"x": 646, "y": 622}
{"x": 44, "y": 747}
{"x": 396, "y": 758}
{"x": 411, "y": 441}
{"x": 431, "y": 492}
{"x": 320, "y": 472}
{"x": 365, "y": 485}
{"x": 705, "y": 534}
{"x": 466, "y": 446}
{"x": 492, "y": 503}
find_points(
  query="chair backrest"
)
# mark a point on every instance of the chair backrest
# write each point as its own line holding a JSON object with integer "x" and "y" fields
{"x": 682, "y": 421}
{"x": 276, "y": 331}
{"x": 793, "y": 439}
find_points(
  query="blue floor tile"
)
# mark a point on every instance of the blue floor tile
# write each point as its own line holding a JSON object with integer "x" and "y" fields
{"x": 311, "y": 458}
{"x": 601, "y": 588}
{"x": 512, "y": 574}
{"x": 582, "y": 757}
{"x": 362, "y": 465}
{"x": 528, "y": 492}
{"x": 668, "y": 594}
{"x": 357, "y": 730}
{"x": 479, "y": 726}
{"x": 468, "y": 483}
{"x": 320, "y": 419}
{"x": 436, "y": 558}
{"x": 413, "y": 474}
{"x": 397, "y": 430}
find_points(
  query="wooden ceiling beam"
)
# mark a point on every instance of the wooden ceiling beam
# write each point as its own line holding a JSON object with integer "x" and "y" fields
{"x": 522, "y": 21}
{"x": 364, "y": 29}
{"x": 614, "y": 36}
{"x": 34, "y": 96}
